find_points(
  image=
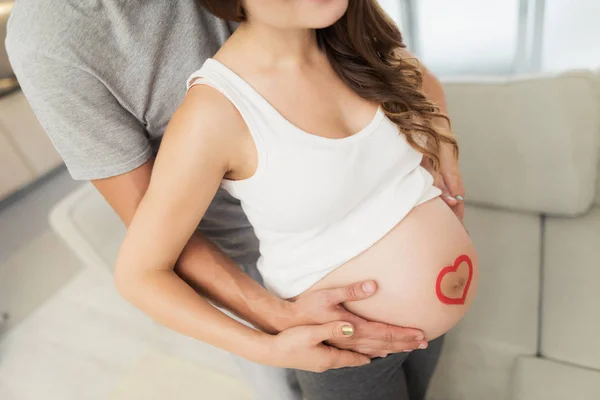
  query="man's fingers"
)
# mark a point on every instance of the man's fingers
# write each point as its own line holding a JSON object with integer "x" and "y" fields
{"x": 399, "y": 332}
{"x": 393, "y": 339}
{"x": 408, "y": 340}
{"x": 377, "y": 338}
{"x": 374, "y": 347}
{"x": 353, "y": 292}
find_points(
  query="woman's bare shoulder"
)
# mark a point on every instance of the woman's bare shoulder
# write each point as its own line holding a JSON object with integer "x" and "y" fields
{"x": 205, "y": 128}
{"x": 207, "y": 113}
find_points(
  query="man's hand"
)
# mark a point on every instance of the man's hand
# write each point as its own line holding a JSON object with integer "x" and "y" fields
{"x": 302, "y": 348}
{"x": 448, "y": 179}
{"x": 370, "y": 338}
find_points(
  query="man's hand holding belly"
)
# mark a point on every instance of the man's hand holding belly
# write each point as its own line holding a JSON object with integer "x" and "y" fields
{"x": 370, "y": 338}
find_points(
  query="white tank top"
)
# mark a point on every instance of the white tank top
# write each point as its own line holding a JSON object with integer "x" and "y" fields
{"x": 317, "y": 202}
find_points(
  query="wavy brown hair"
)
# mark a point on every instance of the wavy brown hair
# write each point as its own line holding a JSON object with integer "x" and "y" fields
{"x": 362, "y": 47}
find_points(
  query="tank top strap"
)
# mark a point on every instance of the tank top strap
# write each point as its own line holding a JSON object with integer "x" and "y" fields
{"x": 211, "y": 75}
{"x": 237, "y": 90}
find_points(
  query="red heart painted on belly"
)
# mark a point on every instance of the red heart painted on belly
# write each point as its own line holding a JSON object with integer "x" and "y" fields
{"x": 449, "y": 270}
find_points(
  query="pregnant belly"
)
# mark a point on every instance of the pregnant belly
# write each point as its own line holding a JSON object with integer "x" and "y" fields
{"x": 426, "y": 270}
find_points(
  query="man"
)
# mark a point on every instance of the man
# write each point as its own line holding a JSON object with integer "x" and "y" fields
{"x": 104, "y": 78}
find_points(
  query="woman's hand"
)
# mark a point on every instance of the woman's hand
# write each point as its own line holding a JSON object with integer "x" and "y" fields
{"x": 373, "y": 339}
{"x": 448, "y": 179}
{"x": 302, "y": 348}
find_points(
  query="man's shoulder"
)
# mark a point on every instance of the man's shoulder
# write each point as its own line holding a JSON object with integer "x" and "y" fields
{"x": 109, "y": 35}
{"x": 70, "y": 29}
{"x": 43, "y": 27}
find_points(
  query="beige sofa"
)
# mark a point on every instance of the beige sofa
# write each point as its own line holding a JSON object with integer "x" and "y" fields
{"x": 530, "y": 163}
{"x": 530, "y": 151}
{"x": 26, "y": 153}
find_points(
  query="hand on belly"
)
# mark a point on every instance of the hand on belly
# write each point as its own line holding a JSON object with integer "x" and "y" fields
{"x": 426, "y": 270}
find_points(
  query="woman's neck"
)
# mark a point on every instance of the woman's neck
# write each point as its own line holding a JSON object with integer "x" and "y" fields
{"x": 276, "y": 47}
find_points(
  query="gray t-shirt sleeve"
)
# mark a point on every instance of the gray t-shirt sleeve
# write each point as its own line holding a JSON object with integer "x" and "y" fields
{"x": 95, "y": 135}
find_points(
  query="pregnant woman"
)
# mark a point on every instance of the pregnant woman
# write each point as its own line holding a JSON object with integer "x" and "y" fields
{"x": 312, "y": 116}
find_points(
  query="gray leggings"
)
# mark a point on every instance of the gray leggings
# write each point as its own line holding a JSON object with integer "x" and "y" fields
{"x": 401, "y": 376}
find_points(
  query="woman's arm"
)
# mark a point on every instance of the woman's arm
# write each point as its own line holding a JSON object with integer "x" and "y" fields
{"x": 449, "y": 178}
{"x": 185, "y": 178}
{"x": 195, "y": 154}
{"x": 201, "y": 265}
{"x": 432, "y": 88}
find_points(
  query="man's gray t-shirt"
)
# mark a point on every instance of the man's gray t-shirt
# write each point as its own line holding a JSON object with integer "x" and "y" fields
{"x": 104, "y": 78}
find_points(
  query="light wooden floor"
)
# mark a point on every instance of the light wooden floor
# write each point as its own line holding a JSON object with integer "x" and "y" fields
{"x": 71, "y": 337}
{"x": 34, "y": 262}
{"x": 85, "y": 341}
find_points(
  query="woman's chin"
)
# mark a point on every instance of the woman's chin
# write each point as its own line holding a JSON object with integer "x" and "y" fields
{"x": 327, "y": 13}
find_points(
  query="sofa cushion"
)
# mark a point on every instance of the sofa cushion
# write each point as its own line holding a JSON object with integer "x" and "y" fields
{"x": 479, "y": 353}
{"x": 598, "y": 191}
{"x": 571, "y": 295}
{"x": 597, "y": 202}
{"x": 90, "y": 227}
{"x": 529, "y": 144}
{"x": 539, "y": 378}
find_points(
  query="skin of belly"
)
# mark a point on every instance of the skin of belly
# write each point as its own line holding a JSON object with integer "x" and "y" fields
{"x": 406, "y": 264}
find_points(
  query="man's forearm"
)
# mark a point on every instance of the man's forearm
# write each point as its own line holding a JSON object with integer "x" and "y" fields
{"x": 204, "y": 267}
{"x": 167, "y": 299}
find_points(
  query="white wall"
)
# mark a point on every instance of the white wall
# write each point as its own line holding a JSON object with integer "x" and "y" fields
{"x": 466, "y": 37}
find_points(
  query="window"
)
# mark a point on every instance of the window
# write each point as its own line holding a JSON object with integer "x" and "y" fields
{"x": 570, "y": 35}
{"x": 479, "y": 34}
{"x": 467, "y": 37}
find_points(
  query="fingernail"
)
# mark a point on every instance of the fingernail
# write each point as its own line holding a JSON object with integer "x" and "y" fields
{"x": 407, "y": 350}
{"x": 423, "y": 346}
{"x": 368, "y": 287}
{"x": 459, "y": 197}
{"x": 347, "y": 330}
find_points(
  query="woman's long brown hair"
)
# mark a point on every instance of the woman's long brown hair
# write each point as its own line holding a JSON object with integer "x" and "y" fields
{"x": 362, "y": 48}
